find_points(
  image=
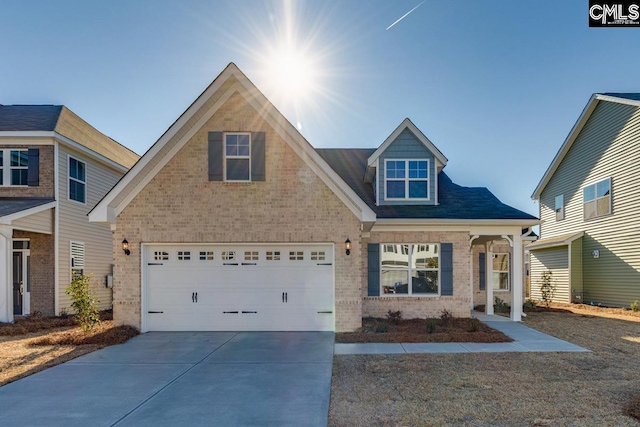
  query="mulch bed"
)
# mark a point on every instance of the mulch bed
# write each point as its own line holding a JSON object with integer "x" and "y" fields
{"x": 415, "y": 331}
{"x": 36, "y": 323}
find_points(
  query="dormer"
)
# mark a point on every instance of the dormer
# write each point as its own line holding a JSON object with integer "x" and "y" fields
{"x": 404, "y": 169}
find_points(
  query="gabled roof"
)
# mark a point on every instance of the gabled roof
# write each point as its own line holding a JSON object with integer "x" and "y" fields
{"x": 29, "y": 117}
{"x": 60, "y": 122}
{"x": 620, "y": 98}
{"x": 229, "y": 82}
{"x": 455, "y": 202}
{"x": 407, "y": 124}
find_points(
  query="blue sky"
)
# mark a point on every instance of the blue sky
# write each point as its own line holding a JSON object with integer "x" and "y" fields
{"x": 495, "y": 84}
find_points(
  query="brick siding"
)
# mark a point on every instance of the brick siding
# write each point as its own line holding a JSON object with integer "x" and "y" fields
{"x": 42, "y": 271}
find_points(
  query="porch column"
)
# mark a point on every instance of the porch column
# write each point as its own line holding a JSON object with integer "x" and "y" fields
{"x": 6, "y": 267}
{"x": 488, "y": 271}
{"x": 516, "y": 282}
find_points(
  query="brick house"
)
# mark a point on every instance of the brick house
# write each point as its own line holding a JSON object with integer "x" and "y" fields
{"x": 233, "y": 221}
{"x": 54, "y": 167}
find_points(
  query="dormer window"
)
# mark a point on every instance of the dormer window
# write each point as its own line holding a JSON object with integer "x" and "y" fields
{"x": 406, "y": 179}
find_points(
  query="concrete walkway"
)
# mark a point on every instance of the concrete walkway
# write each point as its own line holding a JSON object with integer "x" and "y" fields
{"x": 183, "y": 379}
{"x": 524, "y": 340}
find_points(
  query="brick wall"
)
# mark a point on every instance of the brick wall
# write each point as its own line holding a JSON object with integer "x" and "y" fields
{"x": 42, "y": 271}
{"x": 181, "y": 205}
{"x": 420, "y": 307}
{"x": 46, "y": 187}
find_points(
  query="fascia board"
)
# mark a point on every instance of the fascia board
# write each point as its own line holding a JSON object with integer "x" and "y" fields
{"x": 87, "y": 151}
{"x": 469, "y": 222}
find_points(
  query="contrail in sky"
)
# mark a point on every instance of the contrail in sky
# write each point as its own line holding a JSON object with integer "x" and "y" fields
{"x": 405, "y": 15}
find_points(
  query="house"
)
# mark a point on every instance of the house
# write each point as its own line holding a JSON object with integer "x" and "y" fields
{"x": 233, "y": 221}
{"x": 54, "y": 167}
{"x": 588, "y": 200}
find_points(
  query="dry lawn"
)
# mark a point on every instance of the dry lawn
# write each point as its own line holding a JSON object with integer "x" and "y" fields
{"x": 32, "y": 345}
{"x": 500, "y": 389}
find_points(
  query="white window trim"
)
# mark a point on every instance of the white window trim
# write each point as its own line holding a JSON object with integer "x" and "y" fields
{"x": 406, "y": 180}
{"x": 596, "y": 199}
{"x": 69, "y": 178}
{"x": 508, "y": 271}
{"x": 84, "y": 253}
{"x": 6, "y": 167}
{"x": 555, "y": 207}
{"x": 225, "y": 156}
{"x": 408, "y": 269}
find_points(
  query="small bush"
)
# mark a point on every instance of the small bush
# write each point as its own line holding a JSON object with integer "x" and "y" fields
{"x": 634, "y": 305}
{"x": 474, "y": 325}
{"x": 446, "y": 316}
{"x": 394, "y": 317}
{"x": 83, "y": 302}
{"x": 499, "y": 305}
{"x": 64, "y": 313}
{"x": 547, "y": 287}
{"x": 529, "y": 304}
{"x": 430, "y": 324}
{"x": 380, "y": 327}
{"x": 35, "y": 315}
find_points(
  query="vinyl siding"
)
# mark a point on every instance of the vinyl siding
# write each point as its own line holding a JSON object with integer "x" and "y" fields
{"x": 407, "y": 146}
{"x": 74, "y": 226}
{"x": 607, "y": 146}
{"x": 555, "y": 260}
{"x": 41, "y": 222}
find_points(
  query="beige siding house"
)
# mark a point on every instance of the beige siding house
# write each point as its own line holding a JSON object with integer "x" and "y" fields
{"x": 233, "y": 221}
{"x": 589, "y": 199}
{"x": 55, "y": 168}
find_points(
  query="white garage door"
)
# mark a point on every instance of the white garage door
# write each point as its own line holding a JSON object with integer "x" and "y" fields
{"x": 238, "y": 288}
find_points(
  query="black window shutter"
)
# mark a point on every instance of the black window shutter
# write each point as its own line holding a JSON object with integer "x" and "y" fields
{"x": 215, "y": 156}
{"x": 374, "y": 270}
{"x": 33, "y": 173}
{"x": 482, "y": 264}
{"x": 446, "y": 268}
{"x": 257, "y": 156}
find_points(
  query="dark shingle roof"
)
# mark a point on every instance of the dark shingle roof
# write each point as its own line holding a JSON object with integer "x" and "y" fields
{"x": 455, "y": 201}
{"x": 11, "y": 205}
{"x": 29, "y": 117}
{"x": 631, "y": 96}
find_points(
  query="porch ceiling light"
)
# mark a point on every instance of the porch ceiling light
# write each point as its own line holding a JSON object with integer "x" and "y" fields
{"x": 125, "y": 247}
{"x": 347, "y": 246}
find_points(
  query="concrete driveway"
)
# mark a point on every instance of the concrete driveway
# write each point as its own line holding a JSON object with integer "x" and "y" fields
{"x": 183, "y": 378}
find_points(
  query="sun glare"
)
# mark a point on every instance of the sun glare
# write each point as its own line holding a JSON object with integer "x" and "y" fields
{"x": 291, "y": 73}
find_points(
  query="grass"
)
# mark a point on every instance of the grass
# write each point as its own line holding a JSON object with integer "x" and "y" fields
{"x": 35, "y": 343}
{"x": 501, "y": 389}
{"x": 418, "y": 330}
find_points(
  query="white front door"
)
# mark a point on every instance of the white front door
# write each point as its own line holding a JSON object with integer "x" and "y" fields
{"x": 266, "y": 287}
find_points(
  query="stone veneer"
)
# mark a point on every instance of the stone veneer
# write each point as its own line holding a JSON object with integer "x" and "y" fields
{"x": 180, "y": 204}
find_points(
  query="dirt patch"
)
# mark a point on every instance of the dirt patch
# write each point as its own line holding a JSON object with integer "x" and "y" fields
{"x": 421, "y": 330}
{"x": 498, "y": 389}
{"x": 49, "y": 344}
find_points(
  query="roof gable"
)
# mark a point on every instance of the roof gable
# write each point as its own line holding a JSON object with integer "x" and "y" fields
{"x": 408, "y": 125}
{"x": 230, "y": 81}
{"x": 632, "y": 99}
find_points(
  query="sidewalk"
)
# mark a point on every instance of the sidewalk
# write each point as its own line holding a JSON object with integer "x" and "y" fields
{"x": 524, "y": 340}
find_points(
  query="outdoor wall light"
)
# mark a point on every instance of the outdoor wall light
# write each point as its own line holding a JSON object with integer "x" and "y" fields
{"x": 125, "y": 247}
{"x": 347, "y": 246}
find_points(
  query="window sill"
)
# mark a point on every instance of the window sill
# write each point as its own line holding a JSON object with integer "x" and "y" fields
{"x": 401, "y": 296}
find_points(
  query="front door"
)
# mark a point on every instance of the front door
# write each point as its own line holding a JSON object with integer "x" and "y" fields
{"x": 18, "y": 285}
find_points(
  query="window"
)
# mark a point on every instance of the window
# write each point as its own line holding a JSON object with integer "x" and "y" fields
{"x": 318, "y": 255}
{"x": 419, "y": 263}
{"x": 406, "y": 179}
{"x": 251, "y": 256}
{"x": 237, "y": 149}
{"x": 14, "y": 167}
{"x": 296, "y": 256}
{"x": 228, "y": 255}
{"x": 1, "y": 168}
{"x": 501, "y": 272}
{"x": 597, "y": 199}
{"x": 77, "y": 180}
{"x": 273, "y": 255}
{"x": 184, "y": 255}
{"x": 77, "y": 259}
{"x": 160, "y": 256}
{"x": 559, "y": 207}
{"x": 206, "y": 255}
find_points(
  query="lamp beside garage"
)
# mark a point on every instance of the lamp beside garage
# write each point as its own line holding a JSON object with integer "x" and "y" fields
{"x": 125, "y": 247}
{"x": 347, "y": 246}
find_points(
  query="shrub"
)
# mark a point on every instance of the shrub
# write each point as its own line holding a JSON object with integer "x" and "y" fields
{"x": 446, "y": 316}
{"x": 64, "y": 313}
{"x": 634, "y": 305}
{"x": 547, "y": 287}
{"x": 380, "y": 327}
{"x": 529, "y": 304}
{"x": 430, "y": 324}
{"x": 474, "y": 325}
{"x": 394, "y": 317}
{"x": 499, "y": 305}
{"x": 83, "y": 302}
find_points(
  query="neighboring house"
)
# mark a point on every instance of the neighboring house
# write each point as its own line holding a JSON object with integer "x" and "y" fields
{"x": 233, "y": 221}
{"x": 54, "y": 167}
{"x": 589, "y": 198}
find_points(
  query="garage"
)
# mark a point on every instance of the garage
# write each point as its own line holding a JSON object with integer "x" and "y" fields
{"x": 231, "y": 287}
